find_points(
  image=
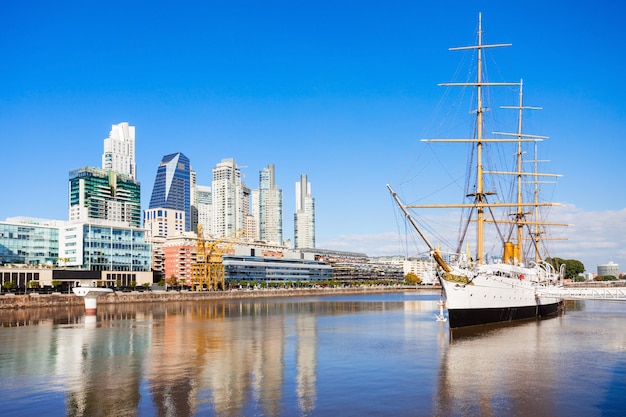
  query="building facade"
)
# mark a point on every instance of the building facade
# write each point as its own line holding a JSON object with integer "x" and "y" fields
{"x": 268, "y": 207}
{"x": 119, "y": 150}
{"x": 608, "y": 269}
{"x": 99, "y": 246}
{"x": 172, "y": 186}
{"x": 29, "y": 241}
{"x": 228, "y": 203}
{"x": 180, "y": 255}
{"x": 304, "y": 217}
{"x": 96, "y": 194}
{"x": 274, "y": 270}
{"x": 204, "y": 204}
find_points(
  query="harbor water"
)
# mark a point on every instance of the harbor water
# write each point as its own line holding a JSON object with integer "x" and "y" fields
{"x": 349, "y": 355}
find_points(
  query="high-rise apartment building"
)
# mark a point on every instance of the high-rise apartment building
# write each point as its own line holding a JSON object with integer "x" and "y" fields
{"x": 304, "y": 217}
{"x": 193, "y": 200}
{"x": 267, "y": 207}
{"x": 172, "y": 186}
{"x": 96, "y": 194}
{"x": 229, "y": 211}
{"x": 205, "y": 208}
{"x": 119, "y": 150}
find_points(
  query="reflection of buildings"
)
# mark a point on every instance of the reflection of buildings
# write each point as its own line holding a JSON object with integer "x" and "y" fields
{"x": 306, "y": 362}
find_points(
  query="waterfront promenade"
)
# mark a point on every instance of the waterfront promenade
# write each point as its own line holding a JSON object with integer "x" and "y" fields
{"x": 57, "y": 299}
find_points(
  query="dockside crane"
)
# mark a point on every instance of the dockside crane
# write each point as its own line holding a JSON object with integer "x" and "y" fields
{"x": 208, "y": 270}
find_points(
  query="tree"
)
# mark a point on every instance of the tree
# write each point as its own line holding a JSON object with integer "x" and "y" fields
{"x": 412, "y": 278}
{"x": 573, "y": 267}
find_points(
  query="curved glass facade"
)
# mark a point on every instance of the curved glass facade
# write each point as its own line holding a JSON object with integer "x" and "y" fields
{"x": 172, "y": 186}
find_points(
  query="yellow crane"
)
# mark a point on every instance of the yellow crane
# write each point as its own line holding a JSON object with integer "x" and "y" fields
{"x": 208, "y": 270}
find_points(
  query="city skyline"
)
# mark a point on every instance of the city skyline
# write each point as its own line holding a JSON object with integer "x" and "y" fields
{"x": 341, "y": 93}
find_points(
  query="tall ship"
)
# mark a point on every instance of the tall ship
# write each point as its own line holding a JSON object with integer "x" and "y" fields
{"x": 516, "y": 284}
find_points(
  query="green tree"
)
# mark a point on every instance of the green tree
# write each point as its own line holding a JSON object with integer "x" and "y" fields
{"x": 412, "y": 278}
{"x": 573, "y": 267}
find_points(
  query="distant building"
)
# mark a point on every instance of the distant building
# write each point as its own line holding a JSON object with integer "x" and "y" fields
{"x": 96, "y": 194}
{"x": 304, "y": 217}
{"x": 205, "y": 207}
{"x": 608, "y": 269}
{"x": 193, "y": 200}
{"x": 267, "y": 207}
{"x": 228, "y": 199}
{"x": 119, "y": 150}
{"x": 270, "y": 270}
{"x": 172, "y": 186}
{"x": 425, "y": 269}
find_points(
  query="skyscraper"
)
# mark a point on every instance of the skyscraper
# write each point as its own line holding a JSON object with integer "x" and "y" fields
{"x": 228, "y": 198}
{"x": 172, "y": 189}
{"x": 119, "y": 150}
{"x": 268, "y": 207}
{"x": 204, "y": 203}
{"x": 304, "y": 218}
{"x": 96, "y": 194}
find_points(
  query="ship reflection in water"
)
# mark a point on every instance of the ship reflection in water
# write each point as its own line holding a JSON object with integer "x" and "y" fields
{"x": 325, "y": 356}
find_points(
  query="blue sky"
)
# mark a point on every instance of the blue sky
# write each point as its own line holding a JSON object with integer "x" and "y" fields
{"x": 341, "y": 91}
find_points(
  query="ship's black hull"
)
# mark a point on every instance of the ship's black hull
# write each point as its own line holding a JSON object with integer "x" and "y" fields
{"x": 474, "y": 317}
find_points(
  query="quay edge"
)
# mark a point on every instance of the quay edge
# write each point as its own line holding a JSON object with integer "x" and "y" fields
{"x": 60, "y": 300}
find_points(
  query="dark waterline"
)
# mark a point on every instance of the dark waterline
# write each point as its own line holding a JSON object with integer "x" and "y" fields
{"x": 378, "y": 354}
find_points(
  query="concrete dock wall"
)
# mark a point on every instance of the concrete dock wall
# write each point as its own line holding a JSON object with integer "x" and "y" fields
{"x": 54, "y": 300}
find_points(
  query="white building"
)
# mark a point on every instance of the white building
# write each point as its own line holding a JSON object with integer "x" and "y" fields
{"x": 163, "y": 222}
{"x": 205, "y": 208}
{"x": 267, "y": 208}
{"x": 425, "y": 269}
{"x": 228, "y": 199}
{"x": 119, "y": 150}
{"x": 304, "y": 217}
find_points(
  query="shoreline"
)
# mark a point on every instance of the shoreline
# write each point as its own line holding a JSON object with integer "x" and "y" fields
{"x": 34, "y": 300}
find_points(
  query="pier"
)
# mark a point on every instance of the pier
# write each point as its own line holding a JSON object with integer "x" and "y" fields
{"x": 586, "y": 293}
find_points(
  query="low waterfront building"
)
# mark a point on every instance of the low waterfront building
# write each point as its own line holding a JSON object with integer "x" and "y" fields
{"x": 22, "y": 277}
{"x": 275, "y": 270}
{"x": 43, "y": 251}
{"x": 104, "y": 246}
{"x": 29, "y": 241}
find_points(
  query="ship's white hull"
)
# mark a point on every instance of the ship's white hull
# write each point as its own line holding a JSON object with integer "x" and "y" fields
{"x": 492, "y": 299}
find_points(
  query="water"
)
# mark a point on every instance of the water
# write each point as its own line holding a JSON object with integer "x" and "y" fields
{"x": 362, "y": 355}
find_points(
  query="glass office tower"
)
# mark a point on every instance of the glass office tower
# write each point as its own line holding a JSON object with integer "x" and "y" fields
{"x": 172, "y": 186}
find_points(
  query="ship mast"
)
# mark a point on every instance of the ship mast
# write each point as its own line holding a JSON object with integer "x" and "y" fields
{"x": 520, "y": 215}
{"x": 480, "y": 196}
